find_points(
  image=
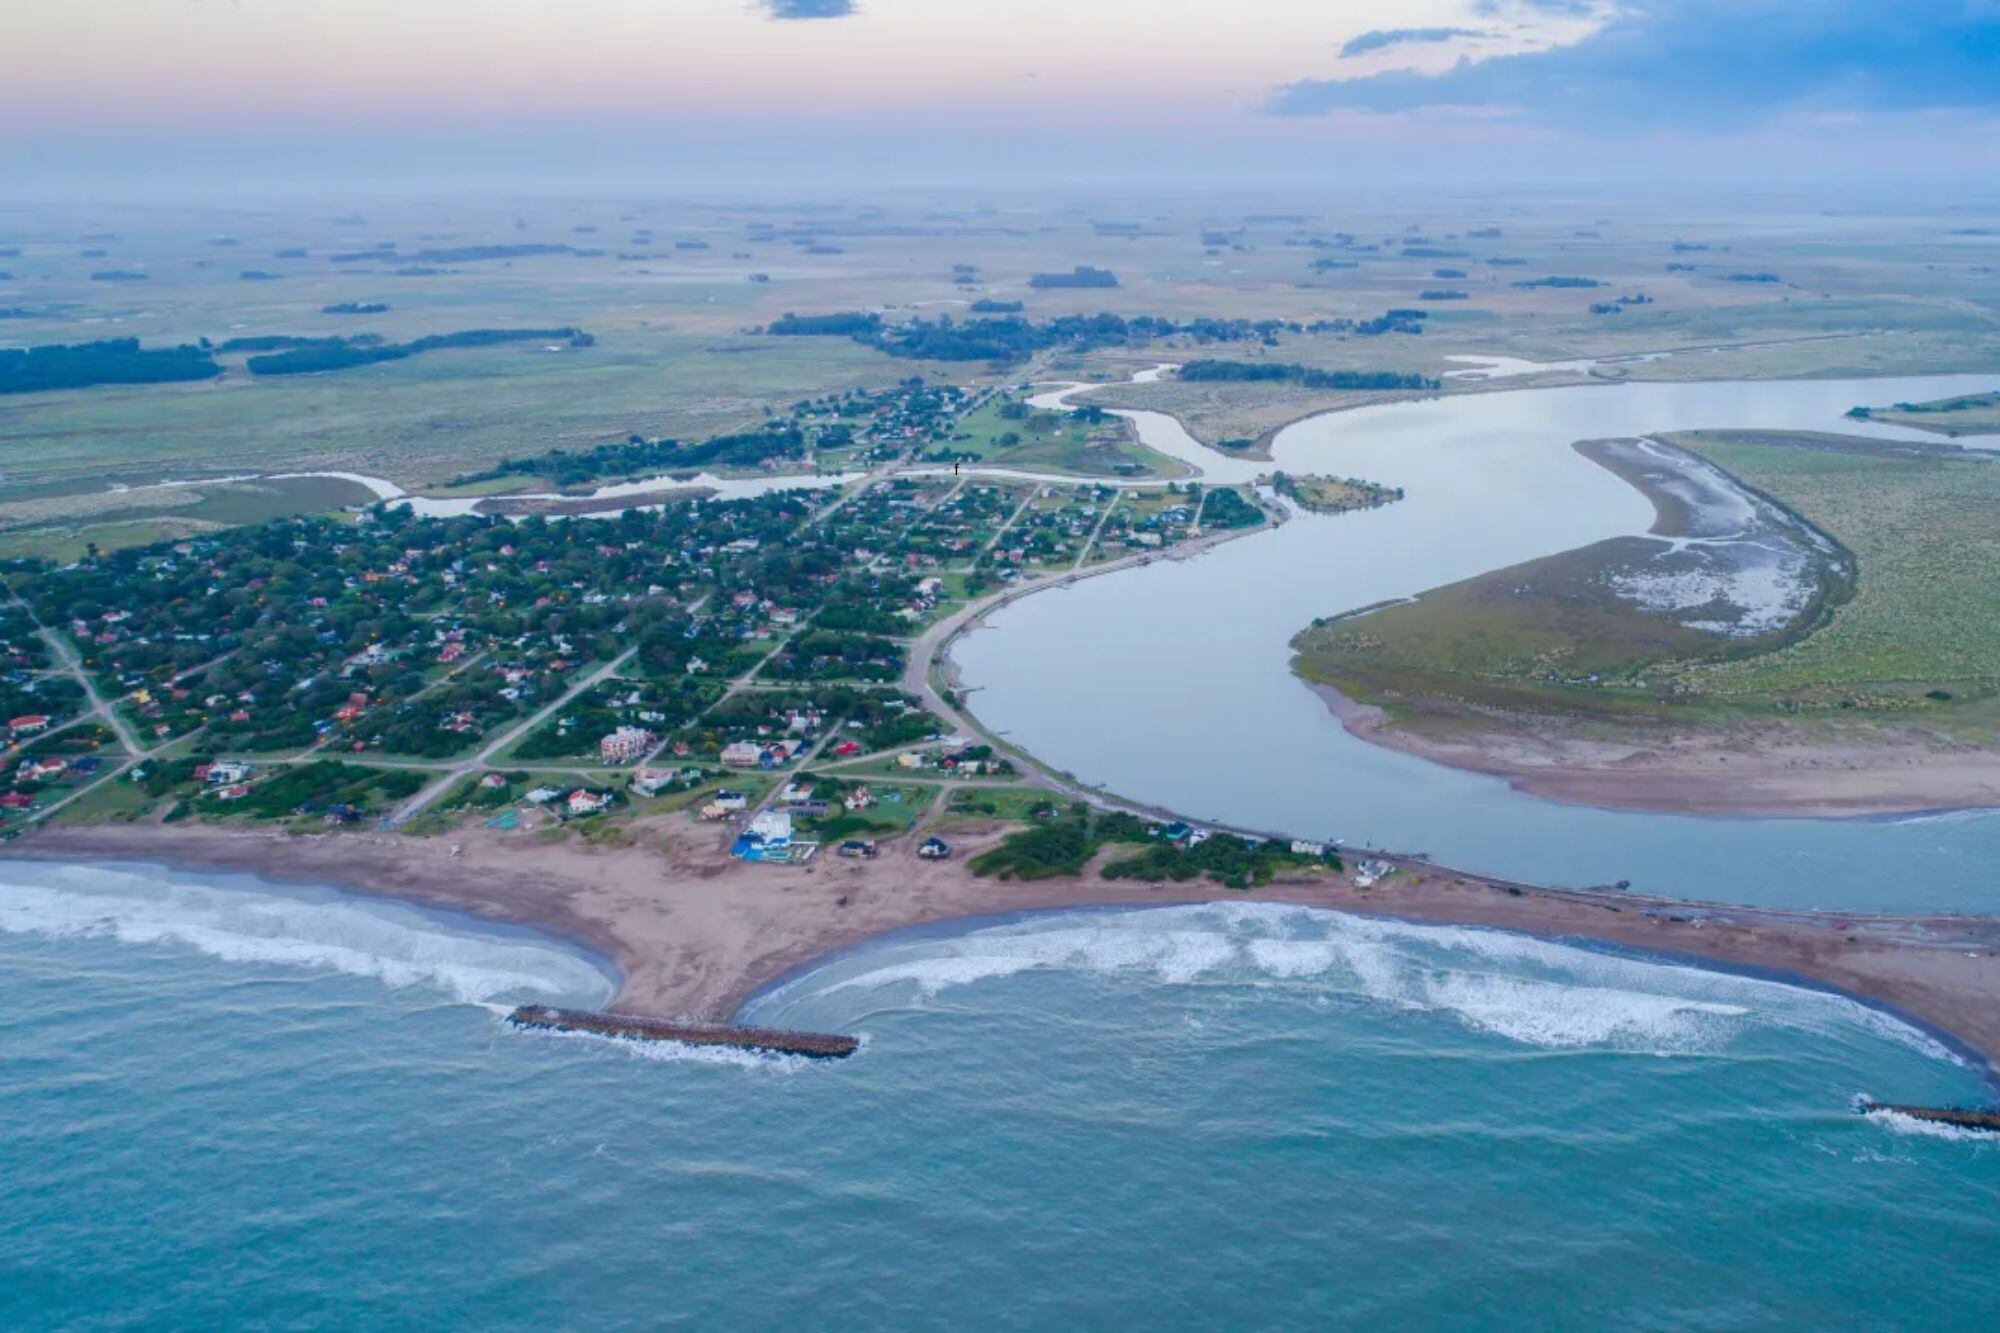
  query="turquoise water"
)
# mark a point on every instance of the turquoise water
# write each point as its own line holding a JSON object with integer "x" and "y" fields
{"x": 226, "y": 1105}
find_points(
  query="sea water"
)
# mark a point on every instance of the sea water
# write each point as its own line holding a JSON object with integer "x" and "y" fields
{"x": 226, "y": 1104}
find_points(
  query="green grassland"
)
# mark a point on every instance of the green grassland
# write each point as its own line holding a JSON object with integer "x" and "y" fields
{"x": 428, "y": 419}
{"x": 1056, "y": 441}
{"x": 1924, "y": 615}
{"x": 1972, "y": 414}
{"x": 1915, "y": 637}
{"x": 63, "y": 527}
{"x": 1876, "y": 292}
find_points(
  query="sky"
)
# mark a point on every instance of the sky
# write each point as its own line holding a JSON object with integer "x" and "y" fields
{"x": 745, "y": 92}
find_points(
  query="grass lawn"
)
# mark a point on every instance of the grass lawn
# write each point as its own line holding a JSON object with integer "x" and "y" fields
{"x": 1055, "y": 441}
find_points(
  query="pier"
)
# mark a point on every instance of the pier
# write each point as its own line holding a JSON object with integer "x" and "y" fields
{"x": 815, "y": 1045}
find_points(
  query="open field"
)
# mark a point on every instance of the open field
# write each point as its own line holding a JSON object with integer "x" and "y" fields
{"x": 428, "y": 419}
{"x": 670, "y": 290}
{"x": 61, "y": 527}
{"x": 1007, "y": 433}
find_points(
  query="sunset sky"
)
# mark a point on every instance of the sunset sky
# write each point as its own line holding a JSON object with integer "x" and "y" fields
{"x": 946, "y": 88}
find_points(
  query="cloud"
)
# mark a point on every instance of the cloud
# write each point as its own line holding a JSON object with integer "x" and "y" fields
{"x": 809, "y": 9}
{"x": 1709, "y": 64}
{"x": 1380, "y": 38}
{"x": 1385, "y": 37}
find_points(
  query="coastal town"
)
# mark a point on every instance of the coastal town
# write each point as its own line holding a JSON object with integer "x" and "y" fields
{"x": 761, "y": 666}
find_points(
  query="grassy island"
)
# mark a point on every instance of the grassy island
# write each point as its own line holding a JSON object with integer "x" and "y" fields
{"x": 1968, "y": 414}
{"x": 1333, "y": 495}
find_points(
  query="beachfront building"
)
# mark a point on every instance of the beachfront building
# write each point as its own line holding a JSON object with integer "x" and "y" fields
{"x": 650, "y": 782}
{"x": 583, "y": 802}
{"x": 625, "y": 745}
{"x": 768, "y": 838}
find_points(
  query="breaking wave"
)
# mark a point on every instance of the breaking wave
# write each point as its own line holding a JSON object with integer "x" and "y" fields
{"x": 244, "y": 923}
{"x": 1910, "y": 1127}
{"x": 677, "y": 1052}
{"x": 1527, "y": 990}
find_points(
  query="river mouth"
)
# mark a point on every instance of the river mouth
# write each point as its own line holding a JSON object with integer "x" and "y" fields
{"x": 1171, "y": 684}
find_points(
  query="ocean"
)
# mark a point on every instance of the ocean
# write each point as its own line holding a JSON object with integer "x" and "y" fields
{"x": 224, "y": 1104}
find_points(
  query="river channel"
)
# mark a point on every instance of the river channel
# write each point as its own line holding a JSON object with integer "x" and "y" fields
{"x": 1171, "y": 683}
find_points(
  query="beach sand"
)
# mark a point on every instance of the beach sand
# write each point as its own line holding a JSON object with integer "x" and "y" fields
{"x": 694, "y": 933}
{"x": 1771, "y": 770}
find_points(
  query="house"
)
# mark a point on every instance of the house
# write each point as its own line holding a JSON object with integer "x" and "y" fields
{"x": 543, "y": 795}
{"x": 742, "y": 754}
{"x": 36, "y": 770}
{"x": 732, "y": 802}
{"x": 810, "y": 807}
{"x": 223, "y": 772}
{"x": 234, "y": 792}
{"x": 625, "y": 745}
{"x": 1369, "y": 873}
{"x": 911, "y": 759}
{"x": 29, "y": 724}
{"x": 859, "y": 849}
{"x": 846, "y": 748}
{"x": 583, "y": 802}
{"x": 651, "y": 782}
{"x": 935, "y": 849}
{"x": 493, "y": 782}
{"x": 859, "y": 799}
{"x": 1300, "y": 847}
{"x": 768, "y": 838}
{"x": 15, "y": 800}
{"x": 796, "y": 791}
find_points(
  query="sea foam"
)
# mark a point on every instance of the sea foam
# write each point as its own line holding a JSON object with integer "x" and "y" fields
{"x": 1528, "y": 990}
{"x": 248, "y": 924}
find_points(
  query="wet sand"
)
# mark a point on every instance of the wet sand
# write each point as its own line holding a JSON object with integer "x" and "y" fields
{"x": 695, "y": 933}
{"x": 1747, "y": 770}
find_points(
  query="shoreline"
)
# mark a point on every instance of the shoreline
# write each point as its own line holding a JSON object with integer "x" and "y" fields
{"x": 699, "y": 937}
{"x": 1714, "y": 780}
{"x": 1749, "y": 769}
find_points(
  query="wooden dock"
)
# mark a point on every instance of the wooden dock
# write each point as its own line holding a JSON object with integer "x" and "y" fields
{"x": 815, "y": 1045}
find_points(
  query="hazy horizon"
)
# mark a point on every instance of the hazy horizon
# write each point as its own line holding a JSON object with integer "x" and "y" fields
{"x": 278, "y": 95}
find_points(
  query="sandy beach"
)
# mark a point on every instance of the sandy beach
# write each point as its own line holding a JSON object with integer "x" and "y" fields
{"x": 694, "y": 932}
{"x": 1750, "y": 771}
